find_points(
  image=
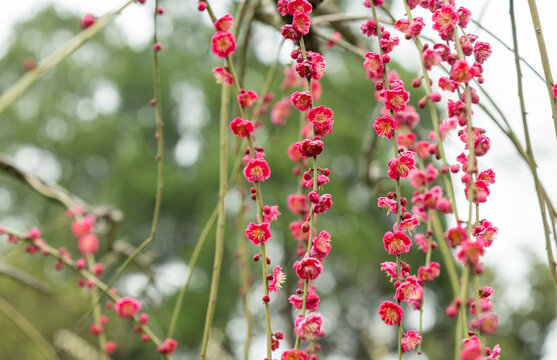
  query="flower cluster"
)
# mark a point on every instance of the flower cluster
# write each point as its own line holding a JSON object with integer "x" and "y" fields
{"x": 83, "y": 228}
{"x": 317, "y": 123}
{"x": 469, "y": 239}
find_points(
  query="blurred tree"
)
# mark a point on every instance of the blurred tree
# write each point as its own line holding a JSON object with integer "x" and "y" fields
{"x": 88, "y": 126}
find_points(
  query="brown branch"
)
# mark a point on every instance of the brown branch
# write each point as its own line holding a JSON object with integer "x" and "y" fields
{"x": 58, "y": 193}
{"x": 24, "y": 278}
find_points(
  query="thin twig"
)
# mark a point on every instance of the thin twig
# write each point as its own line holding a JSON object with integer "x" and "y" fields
{"x": 244, "y": 277}
{"x": 56, "y": 192}
{"x": 478, "y": 24}
{"x": 51, "y": 251}
{"x": 28, "y": 329}
{"x": 221, "y": 218}
{"x": 21, "y": 85}
{"x": 532, "y": 164}
{"x": 158, "y": 159}
{"x": 24, "y": 278}
{"x": 199, "y": 246}
{"x": 545, "y": 59}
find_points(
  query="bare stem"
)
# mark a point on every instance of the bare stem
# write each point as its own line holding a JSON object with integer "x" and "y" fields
{"x": 221, "y": 218}
{"x": 197, "y": 249}
{"x": 27, "y": 80}
{"x": 545, "y": 59}
{"x": 28, "y": 329}
{"x": 529, "y": 152}
{"x": 478, "y": 24}
{"x": 158, "y": 159}
{"x": 244, "y": 278}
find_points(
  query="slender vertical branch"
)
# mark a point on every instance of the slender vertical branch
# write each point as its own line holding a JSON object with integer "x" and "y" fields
{"x": 446, "y": 254}
{"x": 27, "y": 80}
{"x": 544, "y": 58}
{"x": 96, "y": 308}
{"x": 397, "y": 185}
{"x": 434, "y": 118}
{"x": 158, "y": 159}
{"x": 221, "y": 218}
{"x": 28, "y": 329}
{"x": 529, "y": 151}
{"x": 311, "y": 217}
{"x": 198, "y": 246}
{"x": 244, "y": 278}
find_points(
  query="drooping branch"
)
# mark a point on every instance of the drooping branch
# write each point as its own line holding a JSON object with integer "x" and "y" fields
{"x": 27, "y": 80}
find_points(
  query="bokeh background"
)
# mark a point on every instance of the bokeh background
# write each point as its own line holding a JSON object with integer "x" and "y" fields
{"x": 87, "y": 125}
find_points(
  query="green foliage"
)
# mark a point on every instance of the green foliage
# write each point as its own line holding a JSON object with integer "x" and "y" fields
{"x": 88, "y": 125}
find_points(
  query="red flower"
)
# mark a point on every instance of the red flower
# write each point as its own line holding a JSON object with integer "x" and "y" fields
{"x": 397, "y": 243}
{"x": 310, "y": 148}
{"x": 470, "y": 253}
{"x": 297, "y": 204}
{"x": 410, "y": 340}
{"x": 455, "y": 236}
{"x": 390, "y": 313}
{"x": 312, "y": 300}
{"x": 223, "y": 44}
{"x": 241, "y": 127}
{"x": 281, "y": 111}
{"x": 167, "y": 347}
{"x": 463, "y": 16}
{"x": 301, "y": 100}
{"x": 278, "y": 279}
{"x": 428, "y": 273}
{"x": 83, "y": 226}
{"x": 308, "y": 268}
{"x": 282, "y": 7}
{"x": 325, "y": 202}
{"x": 309, "y": 327}
{"x": 444, "y": 20}
{"x": 294, "y": 354}
{"x": 481, "y": 192}
{"x": 301, "y": 22}
{"x": 88, "y": 244}
{"x": 246, "y": 98}
{"x": 396, "y": 99}
{"x": 258, "y": 233}
{"x": 321, "y": 245}
{"x": 369, "y": 28}
{"x": 299, "y": 5}
{"x": 391, "y": 269}
{"x": 320, "y": 117}
{"x": 127, "y": 306}
{"x": 319, "y": 67}
{"x": 448, "y": 85}
{"x": 410, "y": 290}
{"x": 431, "y": 58}
{"x": 257, "y": 170}
{"x": 224, "y": 23}
{"x": 223, "y": 76}
{"x": 110, "y": 347}
{"x": 373, "y": 63}
{"x": 290, "y": 33}
{"x": 482, "y": 50}
{"x": 401, "y": 166}
{"x": 461, "y": 72}
{"x": 385, "y": 126}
